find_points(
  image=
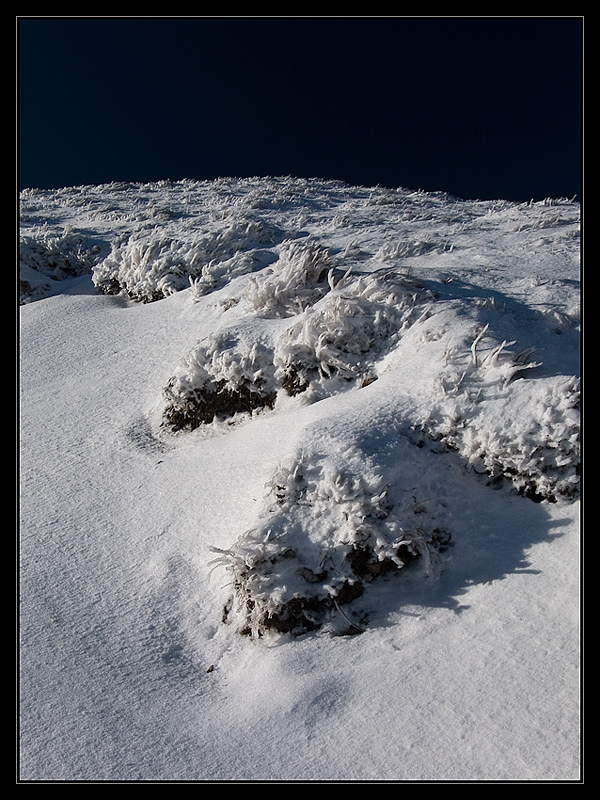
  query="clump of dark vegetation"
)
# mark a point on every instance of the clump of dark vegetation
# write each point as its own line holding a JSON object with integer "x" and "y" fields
{"x": 307, "y": 611}
{"x": 219, "y": 401}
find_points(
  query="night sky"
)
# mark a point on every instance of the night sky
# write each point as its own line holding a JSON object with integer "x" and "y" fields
{"x": 482, "y": 108}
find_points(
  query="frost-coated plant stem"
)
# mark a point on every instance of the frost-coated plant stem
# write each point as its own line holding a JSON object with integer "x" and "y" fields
{"x": 478, "y": 338}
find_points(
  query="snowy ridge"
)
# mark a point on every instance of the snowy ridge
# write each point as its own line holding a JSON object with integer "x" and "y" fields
{"x": 299, "y": 411}
{"x": 152, "y": 239}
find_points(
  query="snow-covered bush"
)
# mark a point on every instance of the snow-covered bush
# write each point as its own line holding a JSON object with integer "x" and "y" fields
{"x": 528, "y": 433}
{"x": 326, "y": 533}
{"x": 218, "y": 380}
{"x": 506, "y": 423}
{"x": 45, "y": 258}
{"x": 150, "y": 265}
{"x": 341, "y": 335}
{"x": 298, "y": 279}
{"x": 57, "y": 257}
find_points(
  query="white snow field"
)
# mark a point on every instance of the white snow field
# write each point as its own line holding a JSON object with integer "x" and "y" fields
{"x": 299, "y": 487}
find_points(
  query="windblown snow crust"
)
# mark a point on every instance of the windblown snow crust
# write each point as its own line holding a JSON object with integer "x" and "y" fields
{"x": 365, "y": 301}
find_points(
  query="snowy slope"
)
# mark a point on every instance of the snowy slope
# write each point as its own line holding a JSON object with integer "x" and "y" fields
{"x": 299, "y": 484}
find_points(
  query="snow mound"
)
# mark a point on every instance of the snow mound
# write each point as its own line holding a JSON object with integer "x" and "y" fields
{"x": 328, "y": 529}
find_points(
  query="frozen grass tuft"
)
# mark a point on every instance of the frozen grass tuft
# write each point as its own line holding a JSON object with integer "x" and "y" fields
{"x": 529, "y": 434}
{"x": 325, "y": 534}
{"x": 297, "y": 280}
{"x": 341, "y": 336}
{"x": 150, "y": 265}
{"x": 57, "y": 257}
{"x": 219, "y": 380}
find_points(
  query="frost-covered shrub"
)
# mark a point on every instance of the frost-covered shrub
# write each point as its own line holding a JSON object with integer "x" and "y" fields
{"x": 524, "y": 430}
{"x": 336, "y": 340}
{"x": 325, "y": 534}
{"x": 150, "y": 265}
{"x": 57, "y": 257}
{"x": 219, "y": 380}
{"x": 298, "y": 279}
{"x": 218, "y": 273}
{"x": 334, "y": 336}
{"x": 411, "y": 248}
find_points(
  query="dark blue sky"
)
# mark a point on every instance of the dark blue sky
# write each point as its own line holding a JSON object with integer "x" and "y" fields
{"x": 484, "y": 108}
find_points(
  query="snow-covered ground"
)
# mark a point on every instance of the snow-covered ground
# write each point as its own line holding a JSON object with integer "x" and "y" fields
{"x": 299, "y": 484}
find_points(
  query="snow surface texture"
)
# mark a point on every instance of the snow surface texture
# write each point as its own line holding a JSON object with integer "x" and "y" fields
{"x": 354, "y": 395}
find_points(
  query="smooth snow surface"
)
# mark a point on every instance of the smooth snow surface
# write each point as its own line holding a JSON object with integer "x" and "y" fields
{"x": 366, "y": 566}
